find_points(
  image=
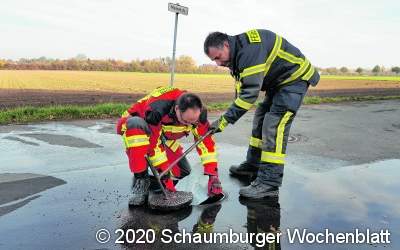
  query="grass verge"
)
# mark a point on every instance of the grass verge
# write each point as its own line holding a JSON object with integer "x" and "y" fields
{"x": 107, "y": 110}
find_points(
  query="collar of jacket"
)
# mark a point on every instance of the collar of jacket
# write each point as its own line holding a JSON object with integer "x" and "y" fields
{"x": 233, "y": 49}
{"x": 172, "y": 114}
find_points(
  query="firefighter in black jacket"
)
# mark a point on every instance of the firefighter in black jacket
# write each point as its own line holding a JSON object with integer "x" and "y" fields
{"x": 261, "y": 60}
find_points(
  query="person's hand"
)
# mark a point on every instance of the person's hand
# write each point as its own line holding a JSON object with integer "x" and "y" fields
{"x": 214, "y": 185}
{"x": 218, "y": 125}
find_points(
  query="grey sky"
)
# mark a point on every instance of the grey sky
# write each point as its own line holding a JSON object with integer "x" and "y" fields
{"x": 330, "y": 33}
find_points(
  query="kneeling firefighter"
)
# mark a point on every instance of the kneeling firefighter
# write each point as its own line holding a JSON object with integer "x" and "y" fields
{"x": 152, "y": 126}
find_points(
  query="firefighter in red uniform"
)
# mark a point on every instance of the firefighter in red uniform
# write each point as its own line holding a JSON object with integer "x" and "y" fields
{"x": 152, "y": 127}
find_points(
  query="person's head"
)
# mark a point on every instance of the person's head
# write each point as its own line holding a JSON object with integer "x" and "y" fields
{"x": 188, "y": 108}
{"x": 216, "y": 47}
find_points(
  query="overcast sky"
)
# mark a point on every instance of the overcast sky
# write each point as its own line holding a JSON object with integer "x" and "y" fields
{"x": 330, "y": 33}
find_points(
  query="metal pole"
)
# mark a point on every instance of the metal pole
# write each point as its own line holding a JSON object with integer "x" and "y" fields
{"x": 171, "y": 83}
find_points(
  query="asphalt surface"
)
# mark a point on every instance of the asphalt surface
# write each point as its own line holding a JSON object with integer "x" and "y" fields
{"x": 61, "y": 182}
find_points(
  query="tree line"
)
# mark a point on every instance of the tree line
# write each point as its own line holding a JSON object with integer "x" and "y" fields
{"x": 376, "y": 70}
{"x": 183, "y": 64}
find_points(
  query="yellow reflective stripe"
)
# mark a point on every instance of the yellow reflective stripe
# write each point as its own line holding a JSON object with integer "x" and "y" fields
{"x": 252, "y": 70}
{"x": 158, "y": 158}
{"x": 309, "y": 74}
{"x": 169, "y": 142}
{"x": 176, "y": 129}
{"x": 123, "y": 128}
{"x": 201, "y": 146}
{"x": 157, "y": 149}
{"x": 254, "y": 36}
{"x": 244, "y": 105}
{"x": 238, "y": 85}
{"x": 208, "y": 157}
{"x": 255, "y": 142}
{"x": 195, "y": 133}
{"x": 280, "y": 132}
{"x": 264, "y": 66}
{"x": 273, "y": 157}
{"x": 273, "y": 54}
{"x": 223, "y": 123}
{"x": 299, "y": 72}
{"x": 204, "y": 228}
{"x": 157, "y": 92}
{"x": 125, "y": 114}
{"x": 136, "y": 140}
{"x": 172, "y": 144}
{"x": 289, "y": 57}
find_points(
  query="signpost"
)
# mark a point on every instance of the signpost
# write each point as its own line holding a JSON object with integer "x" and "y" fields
{"x": 177, "y": 9}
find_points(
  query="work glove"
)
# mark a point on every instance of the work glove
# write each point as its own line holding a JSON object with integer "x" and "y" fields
{"x": 214, "y": 185}
{"x": 218, "y": 125}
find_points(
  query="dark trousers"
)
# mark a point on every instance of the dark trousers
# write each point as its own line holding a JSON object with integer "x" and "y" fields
{"x": 271, "y": 125}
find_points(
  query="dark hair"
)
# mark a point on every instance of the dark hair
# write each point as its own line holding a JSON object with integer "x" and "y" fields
{"x": 214, "y": 39}
{"x": 188, "y": 100}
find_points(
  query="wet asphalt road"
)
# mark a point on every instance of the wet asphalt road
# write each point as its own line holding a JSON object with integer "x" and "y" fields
{"x": 60, "y": 182}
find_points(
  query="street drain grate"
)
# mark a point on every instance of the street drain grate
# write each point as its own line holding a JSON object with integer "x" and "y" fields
{"x": 297, "y": 138}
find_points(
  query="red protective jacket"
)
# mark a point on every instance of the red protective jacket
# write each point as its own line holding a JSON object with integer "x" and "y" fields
{"x": 157, "y": 109}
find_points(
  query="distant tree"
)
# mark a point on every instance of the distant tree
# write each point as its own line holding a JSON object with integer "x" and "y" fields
{"x": 211, "y": 69}
{"x": 376, "y": 69}
{"x": 394, "y": 69}
{"x": 41, "y": 59}
{"x": 359, "y": 70}
{"x": 185, "y": 64}
{"x": 344, "y": 70}
{"x": 81, "y": 57}
{"x": 2, "y": 63}
{"x": 332, "y": 70}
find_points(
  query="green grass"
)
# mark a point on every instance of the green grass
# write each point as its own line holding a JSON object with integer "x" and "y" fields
{"x": 372, "y": 78}
{"x": 67, "y": 112}
{"x": 107, "y": 110}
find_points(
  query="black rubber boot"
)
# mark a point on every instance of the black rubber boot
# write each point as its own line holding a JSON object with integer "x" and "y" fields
{"x": 245, "y": 169}
{"x": 258, "y": 190}
{"x": 140, "y": 189}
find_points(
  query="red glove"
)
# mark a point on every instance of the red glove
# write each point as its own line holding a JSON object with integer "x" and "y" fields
{"x": 214, "y": 185}
{"x": 121, "y": 125}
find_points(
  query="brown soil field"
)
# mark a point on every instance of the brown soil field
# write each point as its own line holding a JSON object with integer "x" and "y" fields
{"x": 42, "y": 88}
{"x": 21, "y": 97}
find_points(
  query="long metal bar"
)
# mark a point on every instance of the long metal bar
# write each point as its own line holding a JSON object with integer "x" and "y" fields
{"x": 155, "y": 173}
{"x": 187, "y": 151}
{"x": 171, "y": 83}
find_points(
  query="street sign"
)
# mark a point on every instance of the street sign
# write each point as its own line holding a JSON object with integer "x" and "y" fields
{"x": 178, "y": 9}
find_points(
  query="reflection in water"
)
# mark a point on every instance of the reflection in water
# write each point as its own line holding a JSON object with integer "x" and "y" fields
{"x": 206, "y": 221}
{"x": 143, "y": 218}
{"x": 263, "y": 217}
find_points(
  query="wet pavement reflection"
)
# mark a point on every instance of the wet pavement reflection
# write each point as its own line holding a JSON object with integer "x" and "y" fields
{"x": 86, "y": 188}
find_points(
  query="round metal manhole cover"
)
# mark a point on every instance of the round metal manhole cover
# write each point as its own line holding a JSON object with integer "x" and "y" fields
{"x": 297, "y": 138}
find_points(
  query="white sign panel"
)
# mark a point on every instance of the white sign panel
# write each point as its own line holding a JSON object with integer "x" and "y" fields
{"x": 178, "y": 8}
